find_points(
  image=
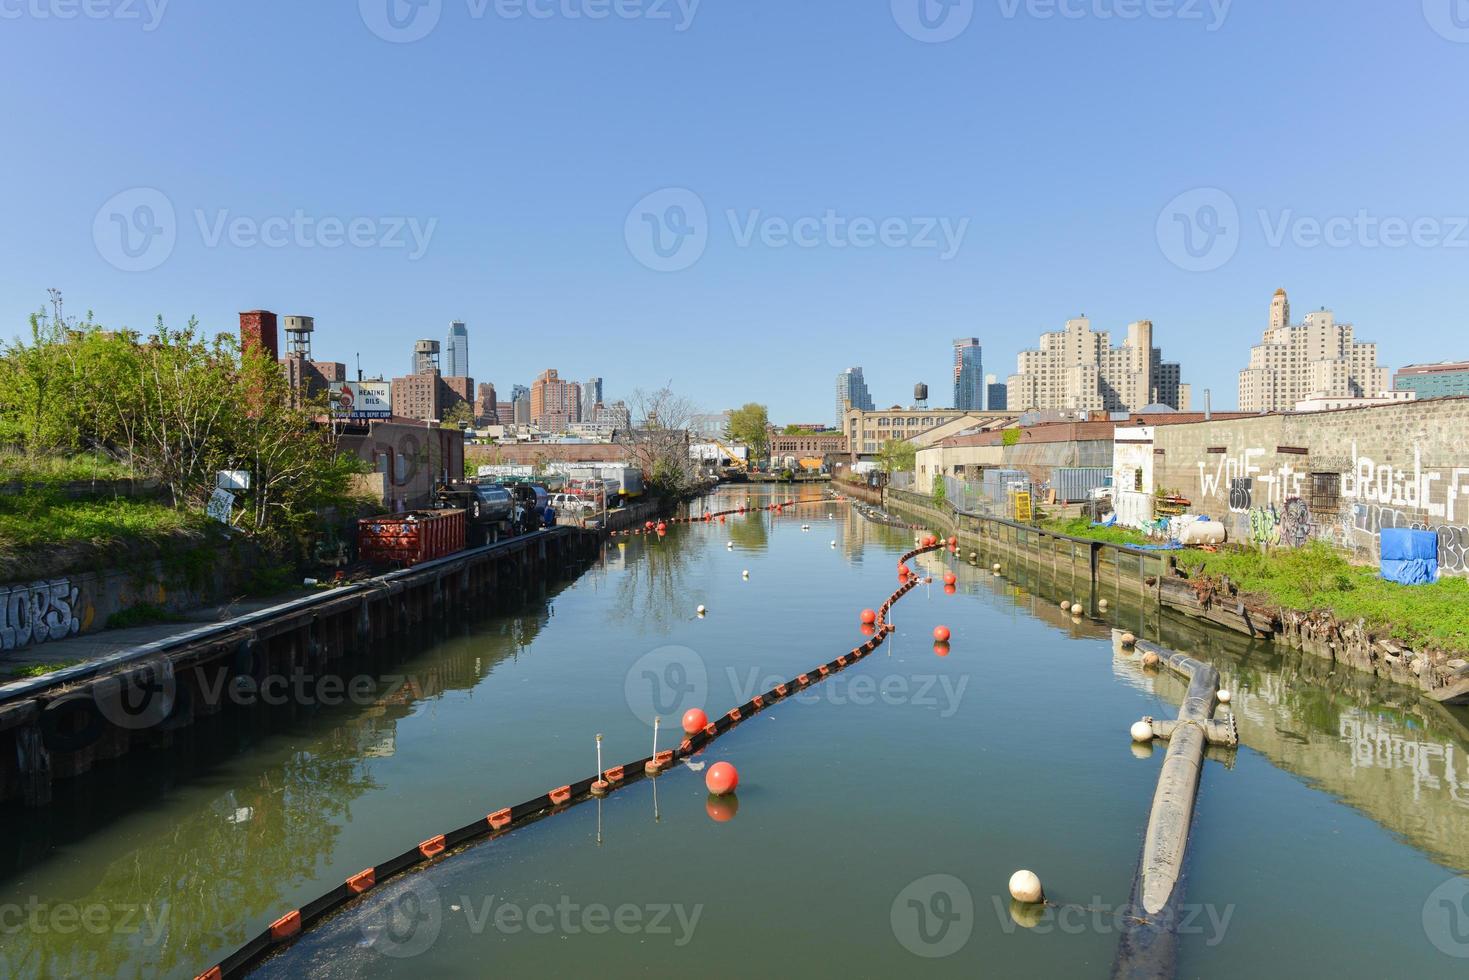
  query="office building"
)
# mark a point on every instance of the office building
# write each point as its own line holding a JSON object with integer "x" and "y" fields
{"x": 1442, "y": 380}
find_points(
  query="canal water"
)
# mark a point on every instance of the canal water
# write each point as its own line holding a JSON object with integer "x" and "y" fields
{"x": 879, "y": 814}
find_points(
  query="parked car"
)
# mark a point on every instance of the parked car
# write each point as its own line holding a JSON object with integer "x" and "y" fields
{"x": 572, "y": 504}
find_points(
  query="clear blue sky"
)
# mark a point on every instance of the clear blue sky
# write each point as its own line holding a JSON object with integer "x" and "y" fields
{"x": 1060, "y": 139}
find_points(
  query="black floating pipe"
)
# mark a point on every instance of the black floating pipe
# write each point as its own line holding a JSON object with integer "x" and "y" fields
{"x": 1148, "y": 948}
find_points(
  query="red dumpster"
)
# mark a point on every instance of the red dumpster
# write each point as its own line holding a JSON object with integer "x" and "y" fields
{"x": 411, "y": 538}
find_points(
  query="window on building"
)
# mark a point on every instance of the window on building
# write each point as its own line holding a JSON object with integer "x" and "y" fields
{"x": 1326, "y": 492}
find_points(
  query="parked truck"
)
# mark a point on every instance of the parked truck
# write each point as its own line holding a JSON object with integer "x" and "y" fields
{"x": 490, "y": 510}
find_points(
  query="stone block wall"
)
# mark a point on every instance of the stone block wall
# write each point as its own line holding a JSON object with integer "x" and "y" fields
{"x": 1336, "y": 476}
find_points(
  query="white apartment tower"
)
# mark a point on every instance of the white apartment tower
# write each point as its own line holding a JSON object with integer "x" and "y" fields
{"x": 1316, "y": 359}
{"x": 1078, "y": 370}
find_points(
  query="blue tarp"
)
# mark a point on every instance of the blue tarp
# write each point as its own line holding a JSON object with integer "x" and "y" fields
{"x": 1409, "y": 557}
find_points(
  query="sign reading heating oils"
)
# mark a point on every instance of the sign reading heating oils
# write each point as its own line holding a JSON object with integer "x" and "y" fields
{"x": 1023, "y": 512}
{"x": 362, "y": 399}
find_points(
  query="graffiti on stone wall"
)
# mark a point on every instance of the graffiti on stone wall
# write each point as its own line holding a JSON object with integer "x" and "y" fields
{"x": 1241, "y": 495}
{"x": 1295, "y": 523}
{"x": 1382, "y": 483}
{"x": 1264, "y": 525}
{"x": 1248, "y": 481}
{"x": 1368, "y": 520}
{"x": 37, "y": 613}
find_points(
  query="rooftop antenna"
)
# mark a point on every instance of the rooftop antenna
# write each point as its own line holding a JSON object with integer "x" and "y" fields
{"x": 359, "y": 367}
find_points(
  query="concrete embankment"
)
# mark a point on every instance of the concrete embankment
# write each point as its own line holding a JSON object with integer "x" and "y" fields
{"x": 1153, "y": 577}
{"x": 62, "y": 724}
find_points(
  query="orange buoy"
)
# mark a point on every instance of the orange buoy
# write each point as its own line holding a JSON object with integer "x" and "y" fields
{"x": 950, "y": 578}
{"x": 941, "y": 649}
{"x": 869, "y": 616}
{"x": 941, "y": 634}
{"x": 722, "y": 779}
{"x": 869, "y": 630}
{"x": 950, "y": 590}
{"x": 954, "y": 542}
{"x": 694, "y": 720}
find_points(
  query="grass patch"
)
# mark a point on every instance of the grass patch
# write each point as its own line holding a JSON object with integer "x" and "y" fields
{"x": 41, "y": 670}
{"x": 48, "y": 471}
{"x": 36, "y": 519}
{"x": 143, "y": 614}
{"x": 1081, "y": 527}
{"x": 1317, "y": 578}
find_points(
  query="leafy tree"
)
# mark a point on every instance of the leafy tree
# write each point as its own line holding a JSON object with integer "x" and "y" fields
{"x": 940, "y": 490}
{"x": 460, "y": 416}
{"x": 1011, "y": 437}
{"x": 751, "y": 425}
{"x": 897, "y": 456}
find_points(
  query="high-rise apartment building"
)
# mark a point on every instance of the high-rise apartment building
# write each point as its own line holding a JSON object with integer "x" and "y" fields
{"x": 968, "y": 374}
{"x": 851, "y": 393}
{"x": 456, "y": 351}
{"x": 1318, "y": 359}
{"x": 554, "y": 403}
{"x": 1077, "y": 369}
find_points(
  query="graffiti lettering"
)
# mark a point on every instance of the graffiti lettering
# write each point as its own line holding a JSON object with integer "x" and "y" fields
{"x": 1376, "y": 483}
{"x": 1265, "y": 525}
{"x": 1241, "y": 473}
{"x": 1241, "y": 495}
{"x": 37, "y": 613}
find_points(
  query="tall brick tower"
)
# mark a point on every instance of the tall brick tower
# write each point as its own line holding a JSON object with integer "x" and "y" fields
{"x": 258, "y": 328}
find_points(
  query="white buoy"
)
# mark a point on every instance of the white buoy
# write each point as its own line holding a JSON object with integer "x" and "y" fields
{"x": 1142, "y": 731}
{"x": 1128, "y": 640}
{"x": 1065, "y": 605}
{"x": 729, "y": 545}
{"x": 702, "y": 610}
{"x": 1102, "y": 604}
{"x": 996, "y": 568}
{"x": 1224, "y": 697}
{"x": 1025, "y": 886}
{"x": 1076, "y": 609}
{"x": 833, "y": 544}
{"x": 745, "y": 574}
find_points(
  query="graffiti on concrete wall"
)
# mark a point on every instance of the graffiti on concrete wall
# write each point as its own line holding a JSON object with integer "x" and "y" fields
{"x": 37, "y": 613}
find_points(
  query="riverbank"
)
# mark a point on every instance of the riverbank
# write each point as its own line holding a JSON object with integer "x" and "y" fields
{"x": 1438, "y": 672}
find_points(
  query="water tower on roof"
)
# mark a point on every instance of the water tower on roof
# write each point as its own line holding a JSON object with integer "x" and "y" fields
{"x": 298, "y": 331}
{"x": 920, "y": 395}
